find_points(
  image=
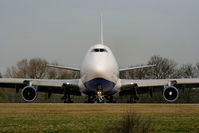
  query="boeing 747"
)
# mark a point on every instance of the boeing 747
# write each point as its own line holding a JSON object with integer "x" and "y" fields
{"x": 99, "y": 81}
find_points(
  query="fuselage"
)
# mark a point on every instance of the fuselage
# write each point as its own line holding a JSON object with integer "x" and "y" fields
{"x": 99, "y": 71}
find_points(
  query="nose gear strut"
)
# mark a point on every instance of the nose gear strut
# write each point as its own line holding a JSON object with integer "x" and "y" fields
{"x": 100, "y": 97}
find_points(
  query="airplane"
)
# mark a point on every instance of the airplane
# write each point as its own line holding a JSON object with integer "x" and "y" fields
{"x": 99, "y": 81}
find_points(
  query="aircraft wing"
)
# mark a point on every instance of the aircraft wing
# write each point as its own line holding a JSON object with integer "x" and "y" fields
{"x": 160, "y": 82}
{"x": 168, "y": 86}
{"x": 42, "y": 85}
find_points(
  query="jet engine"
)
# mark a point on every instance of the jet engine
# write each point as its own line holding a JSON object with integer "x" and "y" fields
{"x": 170, "y": 93}
{"x": 29, "y": 93}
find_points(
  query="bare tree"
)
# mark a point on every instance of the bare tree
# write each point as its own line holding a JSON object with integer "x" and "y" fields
{"x": 165, "y": 68}
{"x": 37, "y": 68}
{"x": 187, "y": 71}
{"x": 18, "y": 71}
{"x": 197, "y": 69}
{"x": 33, "y": 68}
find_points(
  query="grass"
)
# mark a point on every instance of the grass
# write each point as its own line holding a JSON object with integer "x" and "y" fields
{"x": 94, "y": 118}
{"x": 130, "y": 122}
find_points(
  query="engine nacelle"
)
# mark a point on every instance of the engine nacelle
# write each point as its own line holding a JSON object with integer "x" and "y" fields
{"x": 29, "y": 93}
{"x": 170, "y": 93}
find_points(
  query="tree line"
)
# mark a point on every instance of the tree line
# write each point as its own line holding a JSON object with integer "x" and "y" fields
{"x": 37, "y": 68}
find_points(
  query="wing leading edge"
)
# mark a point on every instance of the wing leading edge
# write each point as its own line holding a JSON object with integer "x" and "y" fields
{"x": 160, "y": 82}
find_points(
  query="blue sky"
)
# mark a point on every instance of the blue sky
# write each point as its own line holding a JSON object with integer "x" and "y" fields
{"x": 63, "y": 30}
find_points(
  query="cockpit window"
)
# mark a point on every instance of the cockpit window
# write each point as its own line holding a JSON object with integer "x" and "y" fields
{"x": 103, "y": 50}
{"x": 99, "y": 50}
{"x": 96, "y": 50}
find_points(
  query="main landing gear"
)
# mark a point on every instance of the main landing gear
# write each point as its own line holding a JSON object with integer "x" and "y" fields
{"x": 66, "y": 97}
{"x": 110, "y": 99}
{"x": 133, "y": 97}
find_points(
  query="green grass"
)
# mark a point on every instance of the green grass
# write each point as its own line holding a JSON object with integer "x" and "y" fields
{"x": 90, "y": 118}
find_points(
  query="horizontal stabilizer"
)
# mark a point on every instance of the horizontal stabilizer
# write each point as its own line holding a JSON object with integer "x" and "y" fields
{"x": 62, "y": 67}
{"x": 136, "y": 67}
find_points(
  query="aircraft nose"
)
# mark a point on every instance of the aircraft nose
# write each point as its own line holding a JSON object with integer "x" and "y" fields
{"x": 99, "y": 69}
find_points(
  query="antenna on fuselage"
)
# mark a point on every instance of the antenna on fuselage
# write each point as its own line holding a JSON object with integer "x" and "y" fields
{"x": 102, "y": 35}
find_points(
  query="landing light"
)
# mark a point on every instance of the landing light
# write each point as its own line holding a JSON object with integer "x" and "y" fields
{"x": 99, "y": 92}
{"x": 170, "y": 93}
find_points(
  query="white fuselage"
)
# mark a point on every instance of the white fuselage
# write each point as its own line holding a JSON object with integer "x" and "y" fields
{"x": 99, "y": 70}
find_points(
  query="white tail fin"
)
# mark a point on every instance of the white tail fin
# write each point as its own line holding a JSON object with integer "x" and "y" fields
{"x": 102, "y": 35}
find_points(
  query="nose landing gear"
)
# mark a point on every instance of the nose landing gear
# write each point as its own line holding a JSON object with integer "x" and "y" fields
{"x": 100, "y": 97}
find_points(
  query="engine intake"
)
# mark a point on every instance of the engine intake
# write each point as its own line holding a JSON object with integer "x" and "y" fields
{"x": 29, "y": 93}
{"x": 170, "y": 93}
